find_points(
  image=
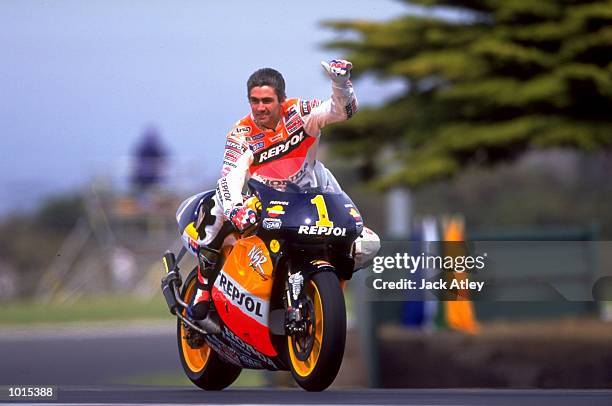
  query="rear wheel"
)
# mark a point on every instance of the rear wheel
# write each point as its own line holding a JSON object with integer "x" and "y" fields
{"x": 202, "y": 365}
{"x": 315, "y": 356}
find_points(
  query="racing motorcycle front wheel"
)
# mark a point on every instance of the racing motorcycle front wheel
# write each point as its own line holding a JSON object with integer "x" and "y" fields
{"x": 315, "y": 355}
{"x": 202, "y": 365}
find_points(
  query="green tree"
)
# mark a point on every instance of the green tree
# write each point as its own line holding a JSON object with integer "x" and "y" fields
{"x": 484, "y": 84}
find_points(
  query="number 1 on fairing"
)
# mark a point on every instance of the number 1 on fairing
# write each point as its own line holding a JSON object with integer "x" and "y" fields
{"x": 322, "y": 212}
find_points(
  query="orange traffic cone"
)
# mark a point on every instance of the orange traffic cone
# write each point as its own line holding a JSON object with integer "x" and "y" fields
{"x": 460, "y": 311}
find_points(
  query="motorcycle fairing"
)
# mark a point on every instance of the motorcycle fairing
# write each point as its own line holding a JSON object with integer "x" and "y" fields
{"x": 236, "y": 351}
{"x": 186, "y": 217}
{"x": 242, "y": 293}
{"x": 298, "y": 211}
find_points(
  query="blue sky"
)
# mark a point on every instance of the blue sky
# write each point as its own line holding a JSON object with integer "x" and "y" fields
{"x": 80, "y": 80}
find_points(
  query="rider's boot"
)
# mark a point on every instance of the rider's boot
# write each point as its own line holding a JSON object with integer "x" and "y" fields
{"x": 198, "y": 309}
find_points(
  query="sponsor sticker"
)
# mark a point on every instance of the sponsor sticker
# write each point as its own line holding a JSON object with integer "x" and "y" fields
{"x": 258, "y": 146}
{"x": 280, "y": 149}
{"x": 275, "y": 183}
{"x": 227, "y": 162}
{"x": 305, "y": 107}
{"x": 241, "y": 129}
{"x": 257, "y": 259}
{"x": 255, "y": 137}
{"x": 320, "y": 230}
{"x": 224, "y": 188}
{"x": 240, "y": 297}
{"x": 319, "y": 263}
{"x": 295, "y": 124}
{"x": 290, "y": 113}
{"x": 355, "y": 214}
{"x": 274, "y": 246}
{"x": 275, "y": 211}
{"x": 231, "y": 156}
{"x": 277, "y": 137}
{"x": 193, "y": 245}
{"x": 234, "y": 146}
{"x": 272, "y": 223}
{"x": 246, "y": 349}
{"x": 351, "y": 108}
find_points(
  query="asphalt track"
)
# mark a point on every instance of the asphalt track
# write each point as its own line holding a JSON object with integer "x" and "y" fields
{"x": 88, "y": 366}
{"x": 153, "y": 395}
{"x": 95, "y": 354}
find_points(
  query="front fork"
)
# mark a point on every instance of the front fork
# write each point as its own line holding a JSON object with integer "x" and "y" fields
{"x": 295, "y": 322}
{"x": 299, "y": 306}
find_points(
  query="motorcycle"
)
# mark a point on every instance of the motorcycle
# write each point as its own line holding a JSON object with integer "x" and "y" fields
{"x": 277, "y": 299}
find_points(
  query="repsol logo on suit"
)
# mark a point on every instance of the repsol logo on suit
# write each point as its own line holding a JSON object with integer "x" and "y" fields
{"x": 240, "y": 298}
{"x": 223, "y": 190}
{"x": 281, "y": 149}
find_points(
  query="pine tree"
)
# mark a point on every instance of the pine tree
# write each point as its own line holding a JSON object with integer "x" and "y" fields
{"x": 484, "y": 84}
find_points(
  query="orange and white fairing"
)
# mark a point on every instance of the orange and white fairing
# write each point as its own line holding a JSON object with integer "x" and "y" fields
{"x": 242, "y": 293}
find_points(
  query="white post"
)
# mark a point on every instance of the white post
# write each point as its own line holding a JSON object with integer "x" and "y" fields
{"x": 399, "y": 213}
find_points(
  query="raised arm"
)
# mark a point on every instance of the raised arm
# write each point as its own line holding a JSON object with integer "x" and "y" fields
{"x": 342, "y": 104}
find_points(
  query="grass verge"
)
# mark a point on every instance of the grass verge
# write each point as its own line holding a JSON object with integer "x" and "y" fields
{"x": 101, "y": 308}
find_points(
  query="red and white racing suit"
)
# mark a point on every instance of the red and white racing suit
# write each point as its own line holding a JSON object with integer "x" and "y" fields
{"x": 251, "y": 152}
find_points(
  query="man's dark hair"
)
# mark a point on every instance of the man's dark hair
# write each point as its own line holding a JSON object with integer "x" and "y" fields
{"x": 267, "y": 77}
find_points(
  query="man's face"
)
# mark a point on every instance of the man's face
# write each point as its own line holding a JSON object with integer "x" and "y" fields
{"x": 266, "y": 107}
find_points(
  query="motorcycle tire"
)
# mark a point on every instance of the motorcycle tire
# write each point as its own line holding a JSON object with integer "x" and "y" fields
{"x": 203, "y": 366}
{"x": 315, "y": 357}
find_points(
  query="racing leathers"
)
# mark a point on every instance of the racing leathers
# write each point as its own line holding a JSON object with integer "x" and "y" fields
{"x": 254, "y": 152}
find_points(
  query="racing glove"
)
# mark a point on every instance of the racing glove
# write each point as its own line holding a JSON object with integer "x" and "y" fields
{"x": 242, "y": 217}
{"x": 339, "y": 71}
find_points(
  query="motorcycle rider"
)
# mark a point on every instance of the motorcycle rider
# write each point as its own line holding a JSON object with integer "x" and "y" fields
{"x": 277, "y": 128}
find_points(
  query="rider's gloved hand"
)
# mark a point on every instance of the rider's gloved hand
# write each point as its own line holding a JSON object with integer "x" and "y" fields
{"x": 242, "y": 217}
{"x": 339, "y": 71}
